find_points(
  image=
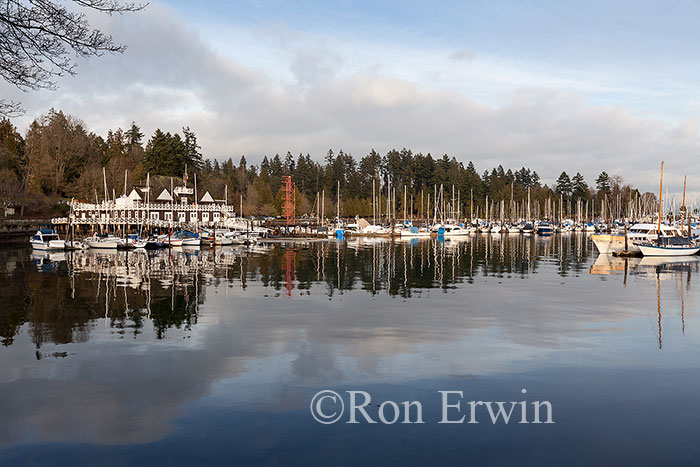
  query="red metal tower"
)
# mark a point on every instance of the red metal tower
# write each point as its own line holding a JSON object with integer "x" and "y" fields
{"x": 290, "y": 202}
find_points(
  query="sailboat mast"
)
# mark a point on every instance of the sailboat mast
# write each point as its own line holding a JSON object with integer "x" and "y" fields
{"x": 404, "y": 204}
{"x": 661, "y": 191}
{"x": 683, "y": 221}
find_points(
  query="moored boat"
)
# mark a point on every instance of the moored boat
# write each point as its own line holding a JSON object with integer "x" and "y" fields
{"x": 670, "y": 246}
{"x": 102, "y": 242}
{"x": 637, "y": 233}
{"x": 47, "y": 239}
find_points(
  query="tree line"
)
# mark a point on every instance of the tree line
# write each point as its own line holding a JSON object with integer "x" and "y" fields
{"x": 58, "y": 158}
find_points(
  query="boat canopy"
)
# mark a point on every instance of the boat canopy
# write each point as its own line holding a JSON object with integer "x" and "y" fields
{"x": 674, "y": 241}
{"x": 186, "y": 234}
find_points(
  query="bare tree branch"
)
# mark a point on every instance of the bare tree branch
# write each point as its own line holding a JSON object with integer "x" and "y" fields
{"x": 10, "y": 109}
{"x": 38, "y": 36}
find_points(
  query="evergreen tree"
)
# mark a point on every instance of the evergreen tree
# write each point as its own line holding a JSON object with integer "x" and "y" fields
{"x": 265, "y": 167}
{"x": 580, "y": 188}
{"x": 535, "y": 180}
{"x": 242, "y": 174}
{"x": 165, "y": 154}
{"x": 289, "y": 165}
{"x": 603, "y": 183}
{"x": 193, "y": 158}
{"x": 133, "y": 136}
{"x": 564, "y": 186}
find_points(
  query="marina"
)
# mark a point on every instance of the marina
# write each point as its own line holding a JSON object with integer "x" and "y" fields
{"x": 267, "y": 233}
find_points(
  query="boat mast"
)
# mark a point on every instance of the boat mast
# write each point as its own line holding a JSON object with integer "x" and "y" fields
{"x": 104, "y": 179}
{"x": 661, "y": 190}
{"x": 404, "y": 205}
{"x": 683, "y": 207}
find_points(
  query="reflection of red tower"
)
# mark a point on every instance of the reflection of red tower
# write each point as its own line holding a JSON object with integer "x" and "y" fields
{"x": 291, "y": 271}
{"x": 290, "y": 203}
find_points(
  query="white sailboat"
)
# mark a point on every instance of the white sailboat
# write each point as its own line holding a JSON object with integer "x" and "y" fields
{"x": 669, "y": 246}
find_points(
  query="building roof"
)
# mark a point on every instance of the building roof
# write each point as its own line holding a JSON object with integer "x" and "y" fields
{"x": 165, "y": 195}
{"x": 207, "y": 198}
{"x": 134, "y": 195}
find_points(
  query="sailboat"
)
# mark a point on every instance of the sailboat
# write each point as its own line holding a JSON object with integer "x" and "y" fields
{"x": 668, "y": 246}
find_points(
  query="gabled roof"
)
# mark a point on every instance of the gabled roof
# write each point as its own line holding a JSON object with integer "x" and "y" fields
{"x": 165, "y": 195}
{"x": 134, "y": 195}
{"x": 207, "y": 198}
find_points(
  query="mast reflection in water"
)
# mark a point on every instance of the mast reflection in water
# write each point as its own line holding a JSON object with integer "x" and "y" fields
{"x": 212, "y": 356}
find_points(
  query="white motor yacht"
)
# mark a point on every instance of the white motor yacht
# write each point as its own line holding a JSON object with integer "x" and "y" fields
{"x": 47, "y": 239}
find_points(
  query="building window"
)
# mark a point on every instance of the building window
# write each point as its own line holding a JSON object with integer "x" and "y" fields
{"x": 181, "y": 216}
{"x": 154, "y": 216}
{"x": 205, "y": 217}
{"x": 217, "y": 216}
{"x": 168, "y": 216}
{"x": 193, "y": 217}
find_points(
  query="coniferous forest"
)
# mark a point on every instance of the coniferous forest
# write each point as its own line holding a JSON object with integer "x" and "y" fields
{"x": 57, "y": 158}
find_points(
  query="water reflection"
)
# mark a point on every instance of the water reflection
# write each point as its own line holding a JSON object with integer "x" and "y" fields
{"x": 675, "y": 272}
{"x": 128, "y": 345}
{"x": 167, "y": 287}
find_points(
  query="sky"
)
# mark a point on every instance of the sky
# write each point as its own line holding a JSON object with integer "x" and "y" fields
{"x": 575, "y": 86}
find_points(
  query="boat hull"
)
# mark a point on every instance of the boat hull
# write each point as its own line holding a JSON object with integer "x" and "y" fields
{"x": 608, "y": 244}
{"x": 53, "y": 245}
{"x": 653, "y": 250}
{"x": 104, "y": 245}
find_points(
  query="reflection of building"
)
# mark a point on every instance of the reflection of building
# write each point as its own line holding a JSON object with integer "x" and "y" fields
{"x": 169, "y": 209}
{"x": 137, "y": 269}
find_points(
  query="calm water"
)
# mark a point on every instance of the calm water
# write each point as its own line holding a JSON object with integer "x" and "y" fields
{"x": 202, "y": 357}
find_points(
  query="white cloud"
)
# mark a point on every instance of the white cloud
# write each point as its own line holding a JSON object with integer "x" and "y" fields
{"x": 172, "y": 77}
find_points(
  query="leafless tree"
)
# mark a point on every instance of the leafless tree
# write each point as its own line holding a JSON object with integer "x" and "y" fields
{"x": 38, "y": 36}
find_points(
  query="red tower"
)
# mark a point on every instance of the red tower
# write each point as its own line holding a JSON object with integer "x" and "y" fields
{"x": 290, "y": 202}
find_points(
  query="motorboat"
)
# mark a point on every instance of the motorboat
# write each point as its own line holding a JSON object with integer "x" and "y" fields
{"x": 222, "y": 239}
{"x": 47, "y": 239}
{"x": 544, "y": 228}
{"x": 154, "y": 244}
{"x": 450, "y": 230}
{"x": 136, "y": 242}
{"x": 637, "y": 233}
{"x": 414, "y": 232}
{"x": 105, "y": 242}
{"x": 75, "y": 245}
{"x": 169, "y": 240}
{"x": 189, "y": 239}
